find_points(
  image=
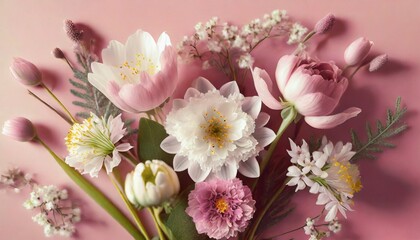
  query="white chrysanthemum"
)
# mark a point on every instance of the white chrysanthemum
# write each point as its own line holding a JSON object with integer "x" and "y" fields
{"x": 93, "y": 143}
{"x": 216, "y": 131}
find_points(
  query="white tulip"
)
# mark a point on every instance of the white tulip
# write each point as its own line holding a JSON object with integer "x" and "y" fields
{"x": 151, "y": 184}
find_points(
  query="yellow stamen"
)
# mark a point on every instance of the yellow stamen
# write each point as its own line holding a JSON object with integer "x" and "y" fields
{"x": 216, "y": 130}
{"x": 345, "y": 172}
{"x": 221, "y": 205}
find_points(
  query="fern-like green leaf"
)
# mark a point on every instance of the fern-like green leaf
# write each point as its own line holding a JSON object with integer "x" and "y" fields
{"x": 377, "y": 140}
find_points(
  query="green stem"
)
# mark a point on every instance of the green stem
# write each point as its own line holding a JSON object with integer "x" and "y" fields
{"x": 155, "y": 220}
{"x": 50, "y": 107}
{"x": 131, "y": 159}
{"x": 267, "y": 206}
{"x": 156, "y": 212}
{"x": 130, "y": 207}
{"x": 95, "y": 194}
{"x": 59, "y": 102}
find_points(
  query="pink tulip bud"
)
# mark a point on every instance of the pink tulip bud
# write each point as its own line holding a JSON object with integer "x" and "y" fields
{"x": 25, "y": 72}
{"x": 19, "y": 129}
{"x": 325, "y": 24}
{"x": 377, "y": 62}
{"x": 357, "y": 51}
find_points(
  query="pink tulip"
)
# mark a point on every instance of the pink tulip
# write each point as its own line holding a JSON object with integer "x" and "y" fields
{"x": 138, "y": 76}
{"x": 19, "y": 129}
{"x": 357, "y": 51}
{"x": 313, "y": 88}
{"x": 25, "y": 72}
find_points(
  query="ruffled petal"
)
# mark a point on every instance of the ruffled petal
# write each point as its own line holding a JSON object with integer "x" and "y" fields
{"x": 285, "y": 67}
{"x": 170, "y": 145}
{"x": 326, "y": 122}
{"x": 250, "y": 168}
{"x": 263, "y": 85}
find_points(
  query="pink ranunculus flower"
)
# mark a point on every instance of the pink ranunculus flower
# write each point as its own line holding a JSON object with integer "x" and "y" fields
{"x": 313, "y": 88}
{"x": 221, "y": 208}
{"x": 138, "y": 76}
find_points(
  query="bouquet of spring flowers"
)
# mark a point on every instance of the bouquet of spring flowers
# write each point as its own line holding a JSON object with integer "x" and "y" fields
{"x": 209, "y": 164}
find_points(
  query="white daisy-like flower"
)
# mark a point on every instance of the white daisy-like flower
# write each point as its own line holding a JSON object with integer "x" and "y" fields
{"x": 216, "y": 132}
{"x": 94, "y": 143}
{"x": 298, "y": 177}
{"x": 299, "y": 154}
{"x": 334, "y": 204}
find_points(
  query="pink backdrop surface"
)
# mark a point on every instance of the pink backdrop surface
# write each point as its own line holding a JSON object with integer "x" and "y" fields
{"x": 388, "y": 207}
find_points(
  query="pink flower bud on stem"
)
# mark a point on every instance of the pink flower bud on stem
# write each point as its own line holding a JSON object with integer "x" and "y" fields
{"x": 19, "y": 129}
{"x": 357, "y": 51}
{"x": 377, "y": 62}
{"x": 325, "y": 24}
{"x": 26, "y": 72}
{"x": 60, "y": 55}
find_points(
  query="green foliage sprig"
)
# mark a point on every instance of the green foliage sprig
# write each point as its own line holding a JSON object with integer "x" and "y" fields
{"x": 378, "y": 140}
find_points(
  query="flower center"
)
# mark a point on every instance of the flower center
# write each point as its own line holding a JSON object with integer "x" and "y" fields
{"x": 215, "y": 129}
{"x": 347, "y": 174}
{"x": 86, "y": 134}
{"x": 221, "y": 205}
{"x": 140, "y": 64}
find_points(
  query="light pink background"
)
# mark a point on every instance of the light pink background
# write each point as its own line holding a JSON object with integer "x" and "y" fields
{"x": 387, "y": 208}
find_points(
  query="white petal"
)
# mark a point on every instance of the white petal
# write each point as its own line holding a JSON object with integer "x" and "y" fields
{"x": 178, "y": 104}
{"x": 124, "y": 147}
{"x": 332, "y": 213}
{"x": 229, "y": 89}
{"x": 128, "y": 187}
{"x": 228, "y": 171}
{"x": 293, "y": 181}
{"x": 170, "y": 145}
{"x": 203, "y": 85}
{"x": 262, "y": 120}
{"x": 163, "y": 41}
{"x": 252, "y": 106}
{"x": 191, "y": 92}
{"x": 141, "y": 42}
{"x": 114, "y": 54}
{"x": 250, "y": 168}
{"x": 264, "y": 136}
{"x": 180, "y": 163}
{"x": 196, "y": 173}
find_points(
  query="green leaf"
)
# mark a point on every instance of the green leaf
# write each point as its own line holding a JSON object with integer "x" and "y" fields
{"x": 97, "y": 195}
{"x": 180, "y": 223}
{"x": 150, "y": 135}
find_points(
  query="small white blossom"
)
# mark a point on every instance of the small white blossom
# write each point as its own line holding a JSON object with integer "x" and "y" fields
{"x": 245, "y": 61}
{"x": 296, "y": 33}
{"x": 334, "y": 226}
{"x": 298, "y": 178}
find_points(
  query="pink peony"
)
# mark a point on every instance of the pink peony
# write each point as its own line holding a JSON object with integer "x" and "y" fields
{"x": 221, "y": 208}
{"x": 313, "y": 88}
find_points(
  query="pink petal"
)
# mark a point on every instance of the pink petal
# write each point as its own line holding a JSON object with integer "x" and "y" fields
{"x": 252, "y": 106}
{"x": 325, "y": 122}
{"x": 114, "y": 93}
{"x": 250, "y": 168}
{"x": 285, "y": 67}
{"x": 263, "y": 85}
{"x": 229, "y": 88}
{"x": 315, "y": 104}
{"x": 124, "y": 147}
{"x": 170, "y": 145}
{"x": 180, "y": 163}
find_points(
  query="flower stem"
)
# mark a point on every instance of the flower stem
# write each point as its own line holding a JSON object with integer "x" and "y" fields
{"x": 267, "y": 206}
{"x": 156, "y": 212}
{"x": 155, "y": 219}
{"x": 50, "y": 107}
{"x": 288, "y": 114}
{"x": 130, "y": 207}
{"x": 130, "y": 158}
{"x": 95, "y": 194}
{"x": 59, "y": 102}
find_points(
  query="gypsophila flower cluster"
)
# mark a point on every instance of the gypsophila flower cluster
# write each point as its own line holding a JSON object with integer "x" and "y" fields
{"x": 57, "y": 215}
{"x": 316, "y": 232}
{"x": 228, "y": 47}
{"x": 328, "y": 172}
{"x": 15, "y": 179}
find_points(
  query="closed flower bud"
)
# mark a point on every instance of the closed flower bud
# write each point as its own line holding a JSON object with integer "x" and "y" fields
{"x": 58, "y": 53}
{"x": 151, "y": 184}
{"x": 25, "y": 72}
{"x": 325, "y": 24}
{"x": 19, "y": 129}
{"x": 357, "y": 51}
{"x": 377, "y": 62}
